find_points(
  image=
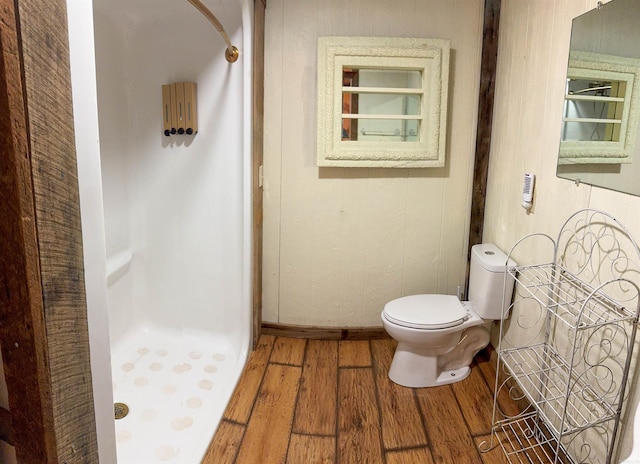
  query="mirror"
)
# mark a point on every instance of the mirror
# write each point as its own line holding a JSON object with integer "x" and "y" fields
{"x": 599, "y": 143}
{"x": 600, "y": 109}
{"x": 382, "y": 102}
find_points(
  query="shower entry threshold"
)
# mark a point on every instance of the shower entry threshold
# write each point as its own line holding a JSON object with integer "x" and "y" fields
{"x": 176, "y": 384}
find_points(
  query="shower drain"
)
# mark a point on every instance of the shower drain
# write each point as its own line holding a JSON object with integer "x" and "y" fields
{"x": 120, "y": 410}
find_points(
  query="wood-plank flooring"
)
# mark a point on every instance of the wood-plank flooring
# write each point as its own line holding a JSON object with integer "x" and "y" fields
{"x": 318, "y": 401}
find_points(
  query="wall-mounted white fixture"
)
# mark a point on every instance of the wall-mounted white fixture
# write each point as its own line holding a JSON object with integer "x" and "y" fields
{"x": 527, "y": 192}
{"x": 179, "y": 108}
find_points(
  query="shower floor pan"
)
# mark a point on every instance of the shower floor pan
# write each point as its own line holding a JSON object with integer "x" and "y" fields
{"x": 176, "y": 384}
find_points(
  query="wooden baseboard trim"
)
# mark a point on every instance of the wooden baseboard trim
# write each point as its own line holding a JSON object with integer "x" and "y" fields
{"x": 324, "y": 333}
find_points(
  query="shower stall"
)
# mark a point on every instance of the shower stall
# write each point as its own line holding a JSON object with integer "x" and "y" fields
{"x": 166, "y": 220}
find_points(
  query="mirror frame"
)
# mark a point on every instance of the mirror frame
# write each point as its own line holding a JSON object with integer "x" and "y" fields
{"x": 609, "y": 29}
{"x": 587, "y": 65}
{"x": 428, "y": 56}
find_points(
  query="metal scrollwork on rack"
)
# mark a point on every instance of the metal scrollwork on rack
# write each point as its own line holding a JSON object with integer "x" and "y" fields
{"x": 568, "y": 344}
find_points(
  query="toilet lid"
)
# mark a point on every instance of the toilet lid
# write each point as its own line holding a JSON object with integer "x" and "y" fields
{"x": 426, "y": 311}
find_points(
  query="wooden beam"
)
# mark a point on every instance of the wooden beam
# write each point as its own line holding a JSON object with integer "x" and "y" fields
{"x": 22, "y": 326}
{"x": 47, "y": 78}
{"x": 6, "y": 426}
{"x": 258, "y": 150}
{"x": 485, "y": 119}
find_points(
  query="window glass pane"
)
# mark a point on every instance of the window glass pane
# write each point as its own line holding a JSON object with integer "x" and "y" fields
{"x": 390, "y": 78}
{"x": 388, "y": 130}
{"x": 382, "y": 103}
{"x": 590, "y": 131}
{"x": 588, "y": 105}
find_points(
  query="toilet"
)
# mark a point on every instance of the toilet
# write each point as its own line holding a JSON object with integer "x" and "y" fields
{"x": 438, "y": 335}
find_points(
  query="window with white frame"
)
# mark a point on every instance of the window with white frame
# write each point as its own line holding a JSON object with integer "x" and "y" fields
{"x": 382, "y": 101}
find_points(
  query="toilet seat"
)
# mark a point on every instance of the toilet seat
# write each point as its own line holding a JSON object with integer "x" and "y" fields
{"x": 427, "y": 312}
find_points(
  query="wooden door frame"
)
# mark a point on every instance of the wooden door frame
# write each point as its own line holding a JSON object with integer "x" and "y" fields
{"x": 258, "y": 137}
{"x": 43, "y": 314}
{"x": 22, "y": 325}
{"x": 44, "y": 334}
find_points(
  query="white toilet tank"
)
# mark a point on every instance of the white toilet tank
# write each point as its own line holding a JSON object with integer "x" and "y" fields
{"x": 487, "y": 281}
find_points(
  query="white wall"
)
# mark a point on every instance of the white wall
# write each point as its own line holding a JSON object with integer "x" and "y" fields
{"x": 81, "y": 52}
{"x": 532, "y": 61}
{"x": 341, "y": 242}
{"x": 174, "y": 205}
{"x": 114, "y": 117}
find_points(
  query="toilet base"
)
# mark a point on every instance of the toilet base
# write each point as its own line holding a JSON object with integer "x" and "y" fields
{"x": 412, "y": 368}
{"x": 419, "y": 367}
{"x": 445, "y": 378}
{"x": 454, "y": 375}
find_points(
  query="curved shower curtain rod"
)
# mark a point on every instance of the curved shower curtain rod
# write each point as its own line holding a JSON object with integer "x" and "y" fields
{"x": 231, "y": 54}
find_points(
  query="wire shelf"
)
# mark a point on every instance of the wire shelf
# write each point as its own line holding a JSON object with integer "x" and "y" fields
{"x": 562, "y": 397}
{"x": 575, "y": 303}
{"x": 566, "y": 345}
{"x": 527, "y": 440}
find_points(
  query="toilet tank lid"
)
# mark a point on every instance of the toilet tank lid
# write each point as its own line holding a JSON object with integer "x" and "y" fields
{"x": 426, "y": 311}
{"x": 491, "y": 258}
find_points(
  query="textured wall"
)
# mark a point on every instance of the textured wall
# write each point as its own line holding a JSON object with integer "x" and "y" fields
{"x": 341, "y": 242}
{"x": 532, "y": 60}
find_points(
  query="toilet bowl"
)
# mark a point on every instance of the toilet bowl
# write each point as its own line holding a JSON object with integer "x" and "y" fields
{"x": 438, "y": 335}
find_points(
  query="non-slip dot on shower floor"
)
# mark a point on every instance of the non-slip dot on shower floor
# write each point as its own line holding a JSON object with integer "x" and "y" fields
{"x": 176, "y": 385}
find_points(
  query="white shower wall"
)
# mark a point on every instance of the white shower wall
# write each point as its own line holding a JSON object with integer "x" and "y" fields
{"x": 173, "y": 205}
{"x": 176, "y": 230}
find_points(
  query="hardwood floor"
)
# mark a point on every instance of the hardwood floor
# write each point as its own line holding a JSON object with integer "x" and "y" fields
{"x": 315, "y": 401}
